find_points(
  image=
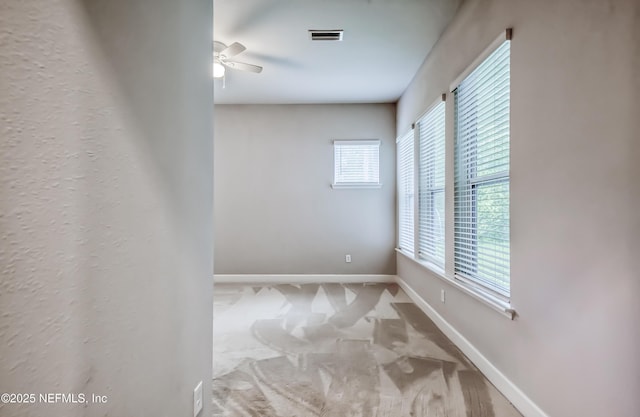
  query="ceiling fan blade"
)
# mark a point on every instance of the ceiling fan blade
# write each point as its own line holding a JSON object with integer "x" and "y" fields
{"x": 233, "y": 49}
{"x": 243, "y": 66}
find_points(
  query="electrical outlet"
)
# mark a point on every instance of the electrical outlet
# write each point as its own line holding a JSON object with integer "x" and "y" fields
{"x": 197, "y": 399}
{"x": 347, "y": 258}
{"x": 442, "y": 295}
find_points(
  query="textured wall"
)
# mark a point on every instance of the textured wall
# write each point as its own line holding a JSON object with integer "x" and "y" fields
{"x": 275, "y": 212}
{"x": 575, "y": 69}
{"x": 105, "y": 204}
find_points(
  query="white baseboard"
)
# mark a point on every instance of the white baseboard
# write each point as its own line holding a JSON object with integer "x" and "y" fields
{"x": 300, "y": 279}
{"x": 518, "y": 398}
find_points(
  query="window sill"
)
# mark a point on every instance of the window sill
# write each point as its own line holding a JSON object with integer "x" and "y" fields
{"x": 352, "y": 186}
{"x": 500, "y": 306}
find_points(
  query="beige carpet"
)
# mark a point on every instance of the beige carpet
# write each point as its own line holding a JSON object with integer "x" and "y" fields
{"x": 339, "y": 350}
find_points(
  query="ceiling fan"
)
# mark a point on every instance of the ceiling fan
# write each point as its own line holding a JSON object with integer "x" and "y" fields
{"x": 221, "y": 61}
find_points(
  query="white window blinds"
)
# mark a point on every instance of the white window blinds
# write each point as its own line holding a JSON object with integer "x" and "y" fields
{"x": 431, "y": 186}
{"x": 356, "y": 162}
{"x": 405, "y": 192}
{"x": 481, "y": 202}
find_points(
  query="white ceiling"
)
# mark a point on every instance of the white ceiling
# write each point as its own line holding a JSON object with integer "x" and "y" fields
{"x": 385, "y": 41}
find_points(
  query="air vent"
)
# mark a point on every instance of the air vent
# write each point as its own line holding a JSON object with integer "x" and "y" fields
{"x": 326, "y": 35}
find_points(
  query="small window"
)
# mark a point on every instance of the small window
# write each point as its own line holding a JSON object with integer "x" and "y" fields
{"x": 356, "y": 163}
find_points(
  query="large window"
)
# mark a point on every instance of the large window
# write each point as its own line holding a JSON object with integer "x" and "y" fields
{"x": 356, "y": 163}
{"x": 431, "y": 186}
{"x": 481, "y": 205}
{"x": 405, "y": 192}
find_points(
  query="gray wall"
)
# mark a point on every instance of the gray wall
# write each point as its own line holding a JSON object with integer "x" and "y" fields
{"x": 275, "y": 212}
{"x": 105, "y": 204}
{"x": 575, "y": 346}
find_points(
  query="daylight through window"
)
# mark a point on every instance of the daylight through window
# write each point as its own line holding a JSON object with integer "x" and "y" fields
{"x": 356, "y": 163}
{"x": 482, "y": 244}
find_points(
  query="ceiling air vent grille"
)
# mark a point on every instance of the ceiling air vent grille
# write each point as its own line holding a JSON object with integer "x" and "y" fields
{"x": 326, "y": 35}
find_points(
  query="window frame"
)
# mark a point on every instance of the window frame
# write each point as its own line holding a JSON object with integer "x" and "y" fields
{"x": 471, "y": 181}
{"x": 428, "y": 192}
{"x": 356, "y": 184}
{"x": 408, "y": 198}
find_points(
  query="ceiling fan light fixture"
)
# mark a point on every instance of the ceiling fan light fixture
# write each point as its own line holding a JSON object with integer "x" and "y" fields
{"x": 218, "y": 70}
